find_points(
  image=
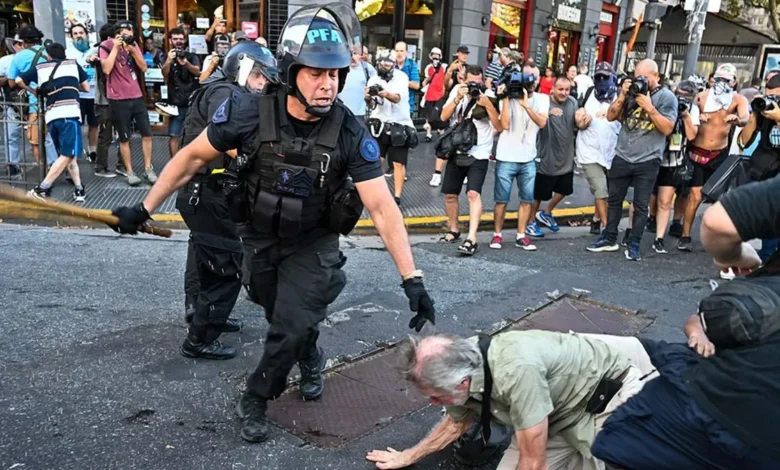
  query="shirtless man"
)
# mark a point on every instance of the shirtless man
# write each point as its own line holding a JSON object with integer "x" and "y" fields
{"x": 720, "y": 108}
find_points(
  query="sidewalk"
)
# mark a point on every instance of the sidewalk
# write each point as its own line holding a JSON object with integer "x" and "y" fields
{"x": 421, "y": 204}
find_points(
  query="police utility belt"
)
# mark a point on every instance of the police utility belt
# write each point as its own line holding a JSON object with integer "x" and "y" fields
{"x": 287, "y": 184}
{"x": 392, "y": 133}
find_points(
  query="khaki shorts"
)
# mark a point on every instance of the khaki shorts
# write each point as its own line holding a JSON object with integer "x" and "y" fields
{"x": 32, "y": 129}
{"x": 597, "y": 179}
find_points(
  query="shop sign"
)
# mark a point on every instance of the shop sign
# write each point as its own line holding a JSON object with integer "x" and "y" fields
{"x": 250, "y": 28}
{"x": 569, "y": 14}
{"x": 79, "y": 12}
{"x": 600, "y": 40}
{"x": 605, "y": 17}
{"x": 552, "y": 35}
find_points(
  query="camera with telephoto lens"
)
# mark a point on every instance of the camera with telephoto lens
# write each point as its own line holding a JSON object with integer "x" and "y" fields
{"x": 639, "y": 86}
{"x": 683, "y": 104}
{"x": 181, "y": 53}
{"x": 763, "y": 103}
{"x": 475, "y": 89}
{"x": 374, "y": 90}
{"x": 518, "y": 83}
{"x": 128, "y": 39}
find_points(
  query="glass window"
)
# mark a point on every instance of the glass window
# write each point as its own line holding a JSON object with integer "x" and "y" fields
{"x": 506, "y": 24}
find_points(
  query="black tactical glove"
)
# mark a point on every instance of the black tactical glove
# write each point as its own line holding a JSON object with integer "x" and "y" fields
{"x": 130, "y": 218}
{"x": 419, "y": 302}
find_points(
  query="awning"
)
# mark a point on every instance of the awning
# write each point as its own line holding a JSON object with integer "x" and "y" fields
{"x": 719, "y": 31}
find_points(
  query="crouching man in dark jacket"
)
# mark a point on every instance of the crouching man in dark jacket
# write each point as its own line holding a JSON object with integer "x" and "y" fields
{"x": 716, "y": 403}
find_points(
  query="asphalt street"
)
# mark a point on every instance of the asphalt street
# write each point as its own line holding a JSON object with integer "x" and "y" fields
{"x": 91, "y": 377}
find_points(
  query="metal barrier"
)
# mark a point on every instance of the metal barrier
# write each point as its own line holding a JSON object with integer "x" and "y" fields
{"x": 18, "y": 164}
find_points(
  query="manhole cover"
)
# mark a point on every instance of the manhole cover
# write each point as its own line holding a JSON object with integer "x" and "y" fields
{"x": 360, "y": 398}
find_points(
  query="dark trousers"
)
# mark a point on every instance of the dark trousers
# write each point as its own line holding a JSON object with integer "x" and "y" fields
{"x": 213, "y": 276}
{"x": 294, "y": 283}
{"x": 620, "y": 177}
{"x": 105, "y": 135}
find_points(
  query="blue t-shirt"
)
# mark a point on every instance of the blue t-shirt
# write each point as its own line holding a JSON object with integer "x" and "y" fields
{"x": 63, "y": 102}
{"x": 22, "y": 62}
{"x": 413, "y": 72}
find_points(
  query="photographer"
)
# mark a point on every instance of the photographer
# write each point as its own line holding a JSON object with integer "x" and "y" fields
{"x": 181, "y": 71}
{"x": 122, "y": 61}
{"x": 390, "y": 122}
{"x": 468, "y": 101}
{"x": 675, "y": 172}
{"x": 523, "y": 113}
{"x": 765, "y": 121}
{"x": 648, "y": 112}
{"x": 213, "y": 63}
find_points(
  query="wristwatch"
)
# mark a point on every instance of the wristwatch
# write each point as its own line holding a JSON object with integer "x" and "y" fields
{"x": 413, "y": 274}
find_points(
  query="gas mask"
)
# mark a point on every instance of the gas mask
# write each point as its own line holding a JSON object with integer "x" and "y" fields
{"x": 385, "y": 71}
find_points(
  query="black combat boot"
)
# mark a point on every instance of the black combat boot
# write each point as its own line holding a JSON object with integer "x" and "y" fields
{"x": 231, "y": 326}
{"x": 194, "y": 347}
{"x": 254, "y": 425}
{"x": 311, "y": 385}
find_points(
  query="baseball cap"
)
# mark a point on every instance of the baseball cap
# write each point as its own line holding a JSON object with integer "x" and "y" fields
{"x": 30, "y": 33}
{"x": 604, "y": 68}
{"x": 240, "y": 36}
{"x": 463, "y": 49}
{"x": 727, "y": 71}
{"x": 434, "y": 50}
{"x": 17, "y": 39}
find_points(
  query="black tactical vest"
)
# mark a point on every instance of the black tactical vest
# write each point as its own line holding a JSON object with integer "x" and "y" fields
{"x": 290, "y": 178}
{"x": 198, "y": 119}
{"x": 182, "y": 83}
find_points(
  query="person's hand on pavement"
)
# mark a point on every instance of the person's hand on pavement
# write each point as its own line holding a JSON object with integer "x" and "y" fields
{"x": 389, "y": 459}
{"x": 419, "y": 302}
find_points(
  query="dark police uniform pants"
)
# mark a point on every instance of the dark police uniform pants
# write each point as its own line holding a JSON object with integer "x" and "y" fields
{"x": 213, "y": 275}
{"x": 294, "y": 283}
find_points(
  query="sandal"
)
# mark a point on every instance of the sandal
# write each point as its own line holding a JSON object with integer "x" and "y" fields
{"x": 449, "y": 237}
{"x": 468, "y": 248}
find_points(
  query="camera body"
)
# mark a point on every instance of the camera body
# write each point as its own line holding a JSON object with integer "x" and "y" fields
{"x": 475, "y": 89}
{"x": 683, "y": 104}
{"x": 639, "y": 86}
{"x": 763, "y": 103}
{"x": 374, "y": 90}
{"x": 518, "y": 84}
{"x": 181, "y": 54}
{"x": 128, "y": 39}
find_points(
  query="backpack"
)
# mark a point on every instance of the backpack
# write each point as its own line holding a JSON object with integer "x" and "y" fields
{"x": 581, "y": 101}
{"x": 100, "y": 76}
{"x": 460, "y": 138}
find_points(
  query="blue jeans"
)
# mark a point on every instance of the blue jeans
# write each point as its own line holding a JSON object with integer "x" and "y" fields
{"x": 12, "y": 131}
{"x": 507, "y": 173}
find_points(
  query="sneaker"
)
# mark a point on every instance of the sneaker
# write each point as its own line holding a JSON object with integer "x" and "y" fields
{"x": 132, "y": 179}
{"x": 92, "y": 157}
{"x": 104, "y": 173}
{"x": 547, "y": 220}
{"x": 676, "y": 229}
{"x": 595, "y": 227}
{"x": 166, "y": 108}
{"x": 496, "y": 242}
{"x": 525, "y": 243}
{"x": 651, "y": 224}
{"x": 79, "y": 195}
{"x": 254, "y": 425}
{"x": 602, "y": 245}
{"x": 627, "y": 234}
{"x": 121, "y": 170}
{"x": 684, "y": 244}
{"x": 39, "y": 193}
{"x": 435, "y": 180}
{"x": 632, "y": 252}
{"x": 312, "y": 385}
{"x": 428, "y": 137}
{"x": 533, "y": 230}
{"x": 150, "y": 175}
{"x": 658, "y": 246}
{"x": 728, "y": 274}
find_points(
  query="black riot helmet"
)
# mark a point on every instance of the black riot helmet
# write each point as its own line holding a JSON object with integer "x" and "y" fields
{"x": 321, "y": 37}
{"x": 245, "y": 56}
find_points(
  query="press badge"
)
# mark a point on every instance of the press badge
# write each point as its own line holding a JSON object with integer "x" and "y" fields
{"x": 675, "y": 144}
{"x": 135, "y": 77}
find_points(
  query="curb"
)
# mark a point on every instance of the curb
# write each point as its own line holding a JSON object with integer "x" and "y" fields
{"x": 23, "y": 213}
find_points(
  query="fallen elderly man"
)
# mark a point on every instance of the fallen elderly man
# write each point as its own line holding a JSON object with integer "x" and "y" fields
{"x": 555, "y": 389}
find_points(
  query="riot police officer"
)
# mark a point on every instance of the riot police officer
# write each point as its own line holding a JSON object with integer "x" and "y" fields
{"x": 296, "y": 148}
{"x": 212, "y": 279}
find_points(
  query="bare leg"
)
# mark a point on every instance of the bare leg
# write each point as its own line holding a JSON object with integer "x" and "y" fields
{"x": 147, "y": 148}
{"x": 452, "y": 207}
{"x": 173, "y": 145}
{"x": 36, "y": 154}
{"x": 556, "y": 199}
{"x": 534, "y": 210}
{"x": 694, "y": 201}
{"x": 499, "y": 213}
{"x": 73, "y": 169}
{"x": 475, "y": 213}
{"x": 524, "y": 215}
{"x": 630, "y": 216}
{"x": 56, "y": 170}
{"x": 399, "y": 174}
{"x": 92, "y": 138}
{"x": 440, "y": 164}
{"x": 664, "y": 210}
{"x": 124, "y": 152}
{"x": 680, "y": 204}
{"x": 653, "y": 207}
{"x": 601, "y": 211}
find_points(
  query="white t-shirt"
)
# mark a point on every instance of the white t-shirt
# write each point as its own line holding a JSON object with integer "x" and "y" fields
{"x": 485, "y": 129}
{"x": 583, "y": 83}
{"x": 81, "y": 59}
{"x": 596, "y": 143}
{"x": 518, "y": 143}
{"x": 5, "y": 62}
{"x": 386, "y": 110}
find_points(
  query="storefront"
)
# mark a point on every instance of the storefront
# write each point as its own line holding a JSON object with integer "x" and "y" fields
{"x": 564, "y": 36}
{"x": 607, "y": 32}
{"x": 13, "y": 13}
{"x": 508, "y": 24}
{"x": 422, "y": 18}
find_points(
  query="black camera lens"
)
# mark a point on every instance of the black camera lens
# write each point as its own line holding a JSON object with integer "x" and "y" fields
{"x": 128, "y": 39}
{"x": 762, "y": 103}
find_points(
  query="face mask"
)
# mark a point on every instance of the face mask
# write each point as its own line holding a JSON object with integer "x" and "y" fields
{"x": 436, "y": 62}
{"x": 605, "y": 89}
{"x": 81, "y": 44}
{"x": 385, "y": 74}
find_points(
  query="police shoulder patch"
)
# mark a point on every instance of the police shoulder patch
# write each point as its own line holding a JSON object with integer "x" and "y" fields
{"x": 369, "y": 149}
{"x": 223, "y": 112}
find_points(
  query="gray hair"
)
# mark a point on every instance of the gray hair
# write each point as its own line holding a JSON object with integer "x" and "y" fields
{"x": 444, "y": 365}
{"x": 515, "y": 56}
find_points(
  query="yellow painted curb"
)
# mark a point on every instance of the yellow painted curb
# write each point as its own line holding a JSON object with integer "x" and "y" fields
{"x": 12, "y": 210}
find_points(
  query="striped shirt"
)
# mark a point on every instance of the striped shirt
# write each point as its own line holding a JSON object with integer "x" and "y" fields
{"x": 63, "y": 101}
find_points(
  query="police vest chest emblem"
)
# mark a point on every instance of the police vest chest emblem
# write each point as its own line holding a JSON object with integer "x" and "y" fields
{"x": 294, "y": 181}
